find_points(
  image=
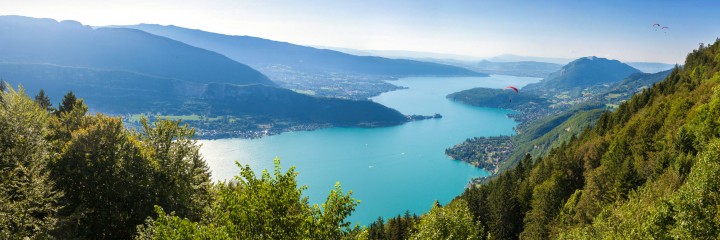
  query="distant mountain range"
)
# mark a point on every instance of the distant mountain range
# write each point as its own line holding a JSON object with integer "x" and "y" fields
{"x": 518, "y": 58}
{"x": 69, "y": 43}
{"x": 478, "y": 64}
{"x": 646, "y": 67}
{"x": 650, "y": 67}
{"x": 505, "y": 64}
{"x": 416, "y": 55}
{"x": 582, "y": 73}
{"x": 523, "y": 69}
{"x": 125, "y": 71}
{"x": 263, "y": 53}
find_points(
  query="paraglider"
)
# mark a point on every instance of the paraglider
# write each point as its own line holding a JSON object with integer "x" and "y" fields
{"x": 657, "y": 26}
{"x": 511, "y": 88}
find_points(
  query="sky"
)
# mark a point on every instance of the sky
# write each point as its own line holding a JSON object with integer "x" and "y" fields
{"x": 566, "y": 29}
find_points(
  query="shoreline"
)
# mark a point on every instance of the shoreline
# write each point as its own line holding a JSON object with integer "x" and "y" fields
{"x": 210, "y": 134}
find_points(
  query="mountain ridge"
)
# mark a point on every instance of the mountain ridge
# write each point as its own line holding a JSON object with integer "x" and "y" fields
{"x": 259, "y": 52}
{"x": 582, "y": 73}
{"x": 68, "y": 43}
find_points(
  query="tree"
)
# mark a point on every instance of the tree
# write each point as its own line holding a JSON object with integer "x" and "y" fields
{"x": 330, "y": 216}
{"x": 28, "y": 199}
{"x": 107, "y": 179}
{"x": 67, "y": 122}
{"x": 3, "y": 88}
{"x": 505, "y": 216}
{"x": 269, "y": 207}
{"x": 376, "y": 229}
{"x": 44, "y": 101}
{"x": 67, "y": 104}
{"x": 453, "y": 221}
{"x": 694, "y": 207}
{"x": 182, "y": 178}
{"x": 169, "y": 226}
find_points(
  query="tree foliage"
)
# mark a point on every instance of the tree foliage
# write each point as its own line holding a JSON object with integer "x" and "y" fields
{"x": 453, "y": 221}
{"x": 44, "y": 101}
{"x": 399, "y": 227}
{"x": 28, "y": 199}
{"x": 67, "y": 104}
{"x": 269, "y": 206}
{"x": 181, "y": 176}
{"x": 113, "y": 175}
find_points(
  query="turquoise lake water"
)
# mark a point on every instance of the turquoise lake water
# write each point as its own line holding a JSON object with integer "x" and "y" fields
{"x": 391, "y": 169}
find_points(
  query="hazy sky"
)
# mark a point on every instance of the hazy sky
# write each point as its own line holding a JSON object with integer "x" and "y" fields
{"x": 570, "y": 29}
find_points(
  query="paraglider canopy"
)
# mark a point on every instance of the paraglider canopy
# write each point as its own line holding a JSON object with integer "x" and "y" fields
{"x": 512, "y": 88}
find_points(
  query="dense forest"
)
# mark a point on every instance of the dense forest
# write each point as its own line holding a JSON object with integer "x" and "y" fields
{"x": 648, "y": 170}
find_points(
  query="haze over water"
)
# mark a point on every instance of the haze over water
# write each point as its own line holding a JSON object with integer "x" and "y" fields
{"x": 390, "y": 169}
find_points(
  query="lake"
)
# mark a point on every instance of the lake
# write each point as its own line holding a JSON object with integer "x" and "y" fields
{"x": 391, "y": 169}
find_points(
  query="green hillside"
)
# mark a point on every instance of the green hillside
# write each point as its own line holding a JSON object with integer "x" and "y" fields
{"x": 580, "y": 74}
{"x": 647, "y": 170}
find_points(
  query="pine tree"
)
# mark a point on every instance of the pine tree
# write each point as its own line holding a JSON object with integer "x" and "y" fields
{"x": 28, "y": 199}
{"x": 377, "y": 229}
{"x": 44, "y": 101}
{"x": 67, "y": 104}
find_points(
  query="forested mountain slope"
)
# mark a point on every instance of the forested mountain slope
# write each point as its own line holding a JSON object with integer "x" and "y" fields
{"x": 647, "y": 170}
{"x": 580, "y": 74}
